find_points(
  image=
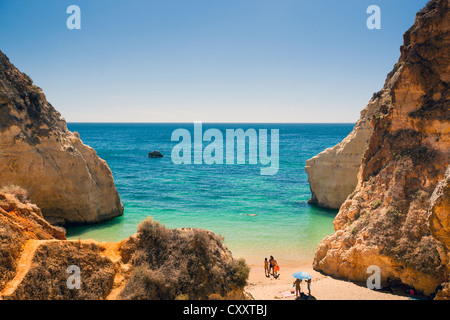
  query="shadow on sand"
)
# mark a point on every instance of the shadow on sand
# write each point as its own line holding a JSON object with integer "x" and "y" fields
{"x": 305, "y": 297}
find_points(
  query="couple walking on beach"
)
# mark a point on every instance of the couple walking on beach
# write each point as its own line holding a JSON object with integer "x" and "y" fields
{"x": 271, "y": 265}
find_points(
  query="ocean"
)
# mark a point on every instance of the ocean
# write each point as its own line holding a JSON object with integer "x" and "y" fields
{"x": 258, "y": 215}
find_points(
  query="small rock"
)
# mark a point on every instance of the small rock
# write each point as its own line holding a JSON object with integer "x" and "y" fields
{"x": 155, "y": 154}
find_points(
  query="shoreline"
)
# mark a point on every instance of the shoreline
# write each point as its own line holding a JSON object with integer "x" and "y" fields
{"x": 323, "y": 287}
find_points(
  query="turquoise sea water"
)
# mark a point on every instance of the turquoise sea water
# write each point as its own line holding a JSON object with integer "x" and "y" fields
{"x": 215, "y": 197}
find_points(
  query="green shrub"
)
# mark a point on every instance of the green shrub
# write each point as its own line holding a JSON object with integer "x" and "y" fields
{"x": 240, "y": 273}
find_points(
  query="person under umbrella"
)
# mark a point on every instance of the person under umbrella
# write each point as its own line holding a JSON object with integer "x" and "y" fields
{"x": 299, "y": 276}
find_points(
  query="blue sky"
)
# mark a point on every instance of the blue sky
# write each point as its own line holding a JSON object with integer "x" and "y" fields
{"x": 206, "y": 60}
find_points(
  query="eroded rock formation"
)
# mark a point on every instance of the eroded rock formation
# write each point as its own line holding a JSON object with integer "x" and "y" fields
{"x": 332, "y": 174}
{"x": 398, "y": 215}
{"x": 64, "y": 177}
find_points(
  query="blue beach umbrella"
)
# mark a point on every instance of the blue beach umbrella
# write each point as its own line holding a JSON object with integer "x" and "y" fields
{"x": 302, "y": 275}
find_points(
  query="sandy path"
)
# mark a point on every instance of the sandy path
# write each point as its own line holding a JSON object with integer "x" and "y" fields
{"x": 29, "y": 249}
{"x": 322, "y": 287}
{"x": 111, "y": 251}
{"x": 23, "y": 266}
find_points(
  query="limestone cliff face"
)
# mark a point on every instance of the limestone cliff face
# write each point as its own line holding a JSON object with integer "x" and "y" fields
{"x": 64, "y": 177}
{"x": 155, "y": 263}
{"x": 439, "y": 211}
{"x": 332, "y": 174}
{"x": 398, "y": 215}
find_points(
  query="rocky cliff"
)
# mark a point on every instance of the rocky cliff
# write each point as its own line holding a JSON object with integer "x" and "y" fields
{"x": 64, "y": 177}
{"x": 397, "y": 217}
{"x": 20, "y": 221}
{"x": 36, "y": 262}
{"x": 332, "y": 174}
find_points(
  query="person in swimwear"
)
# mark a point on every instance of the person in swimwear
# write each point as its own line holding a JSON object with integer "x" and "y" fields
{"x": 275, "y": 268}
{"x": 298, "y": 291}
{"x": 309, "y": 286}
{"x": 271, "y": 265}
{"x": 266, "y": 268}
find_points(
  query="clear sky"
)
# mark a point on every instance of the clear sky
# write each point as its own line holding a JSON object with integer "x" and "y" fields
{"x": 206, "y": 60}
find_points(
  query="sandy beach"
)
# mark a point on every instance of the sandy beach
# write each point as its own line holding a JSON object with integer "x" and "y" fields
{"x": 323, "y": 287}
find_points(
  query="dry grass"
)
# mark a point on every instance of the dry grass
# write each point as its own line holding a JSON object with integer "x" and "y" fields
{"x": 11, "y": 243}
{"x": 180, "y": 264}
{"x": 47, "y": 278}
{"x": 20, "y": 193}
